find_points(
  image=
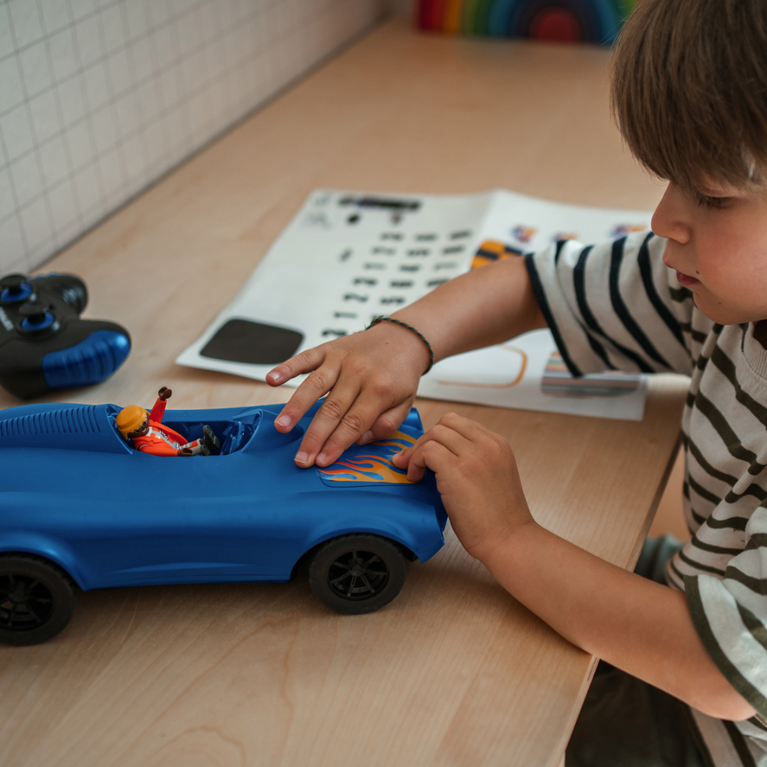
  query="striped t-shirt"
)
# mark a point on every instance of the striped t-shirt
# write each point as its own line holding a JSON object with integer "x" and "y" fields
{"x": 617, "y": 306}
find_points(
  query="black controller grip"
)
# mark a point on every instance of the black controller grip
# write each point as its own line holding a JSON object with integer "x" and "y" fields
{"x": 89, "y": 352}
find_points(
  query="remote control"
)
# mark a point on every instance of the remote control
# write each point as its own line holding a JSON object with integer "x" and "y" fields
{"x": 44, "y": 344}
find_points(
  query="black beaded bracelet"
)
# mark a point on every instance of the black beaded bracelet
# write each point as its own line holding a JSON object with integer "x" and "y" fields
{"x": 384, "y": 318}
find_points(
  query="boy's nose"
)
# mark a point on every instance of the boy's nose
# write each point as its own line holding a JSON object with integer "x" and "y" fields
{"x": 669, "y": 220}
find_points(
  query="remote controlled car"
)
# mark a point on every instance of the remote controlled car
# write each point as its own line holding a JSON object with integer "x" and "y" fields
{"x": 80, "y": 507}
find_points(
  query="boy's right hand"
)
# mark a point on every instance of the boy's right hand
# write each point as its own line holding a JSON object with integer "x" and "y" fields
{"x": 370, "y": 379}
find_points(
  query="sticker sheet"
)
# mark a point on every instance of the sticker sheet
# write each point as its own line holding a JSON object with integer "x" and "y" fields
{"x": 348, "y": 257}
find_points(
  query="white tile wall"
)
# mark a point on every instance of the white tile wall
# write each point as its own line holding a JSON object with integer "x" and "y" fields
{"x": 99, "y": 98}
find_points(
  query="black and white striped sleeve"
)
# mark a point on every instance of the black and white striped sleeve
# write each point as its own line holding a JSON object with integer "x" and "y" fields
{"x": 614, "y": 306}
{"x": 731, "y": 616}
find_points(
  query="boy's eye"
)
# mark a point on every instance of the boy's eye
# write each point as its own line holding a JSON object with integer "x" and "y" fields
{"x": 712, "y": 202}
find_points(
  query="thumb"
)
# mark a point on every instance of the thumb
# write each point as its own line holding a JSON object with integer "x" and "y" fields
{"x": 401, "y": 460}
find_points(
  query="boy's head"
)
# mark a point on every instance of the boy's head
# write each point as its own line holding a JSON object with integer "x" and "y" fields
{"x": 690, "y": 97}
{"x": 690, "y": 91}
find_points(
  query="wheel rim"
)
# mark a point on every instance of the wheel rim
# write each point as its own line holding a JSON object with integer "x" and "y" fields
{"x": 358, "y": 575}
{"x": 25, "y": 602}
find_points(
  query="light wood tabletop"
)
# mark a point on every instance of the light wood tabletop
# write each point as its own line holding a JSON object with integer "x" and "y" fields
{"x": 454, "y": 671}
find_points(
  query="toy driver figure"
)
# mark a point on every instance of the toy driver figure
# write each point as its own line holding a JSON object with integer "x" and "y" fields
{"x": 148, "y": 434}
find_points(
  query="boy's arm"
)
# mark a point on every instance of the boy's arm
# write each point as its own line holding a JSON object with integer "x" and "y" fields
{"x": 633, "y": 623}
{"x": 371, "y": 378}
{"x": 486, "y": 306}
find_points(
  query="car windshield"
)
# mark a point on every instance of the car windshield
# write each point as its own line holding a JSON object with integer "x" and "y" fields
{"x": 233, "y": 434}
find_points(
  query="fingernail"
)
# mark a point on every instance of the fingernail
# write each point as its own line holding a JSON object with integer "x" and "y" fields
{"x": 366, "y": 437}
{"x": 321, "y": 458}
{"x": 283, "y": 420}
{"x": 301, "y": 457}
{"x": 274, "y": 376}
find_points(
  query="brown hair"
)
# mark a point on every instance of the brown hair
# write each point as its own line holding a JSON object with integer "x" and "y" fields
{"x": 689, "y": 90}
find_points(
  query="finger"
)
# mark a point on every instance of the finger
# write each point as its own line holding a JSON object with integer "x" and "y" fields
{"x": 443, "y": 435}
{"x": 430, "y": 455}
{"x": 387, "y": 423}
{"x": 477, "y": 436}
{"x": 302, "y": 363}
{"x": 337, "y": 426}
{"x": 446, "y": 435}
{"x": 317, "y": 384}
{"x": 466, "y": 427}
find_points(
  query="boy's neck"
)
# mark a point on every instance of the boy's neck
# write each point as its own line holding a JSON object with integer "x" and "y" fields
{"x": 760, "y": 332}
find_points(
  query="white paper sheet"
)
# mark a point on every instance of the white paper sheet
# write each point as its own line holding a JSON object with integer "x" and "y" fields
{"x": 350, "y": 256}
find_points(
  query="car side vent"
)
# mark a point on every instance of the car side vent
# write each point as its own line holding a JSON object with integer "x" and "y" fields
{"x": 74, "y": 420}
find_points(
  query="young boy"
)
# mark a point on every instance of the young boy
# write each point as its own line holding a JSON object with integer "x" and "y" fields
{"x": 690, "y": 95}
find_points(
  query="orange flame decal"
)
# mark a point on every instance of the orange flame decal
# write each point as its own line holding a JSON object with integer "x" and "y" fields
{"x": 372, "y": 467}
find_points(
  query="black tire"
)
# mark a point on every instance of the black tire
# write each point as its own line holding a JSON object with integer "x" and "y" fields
{"x": 355, "y": 574}
{"x": 37, "y": 599}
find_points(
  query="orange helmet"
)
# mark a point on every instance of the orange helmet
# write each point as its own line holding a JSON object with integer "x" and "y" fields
{"x": 129, "y": 419}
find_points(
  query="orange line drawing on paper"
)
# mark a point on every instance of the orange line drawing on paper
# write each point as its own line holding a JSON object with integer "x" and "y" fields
{"x": 477, "y": 385}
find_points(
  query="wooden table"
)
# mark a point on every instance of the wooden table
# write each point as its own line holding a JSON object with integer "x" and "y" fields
{"x": 454, "y": 672}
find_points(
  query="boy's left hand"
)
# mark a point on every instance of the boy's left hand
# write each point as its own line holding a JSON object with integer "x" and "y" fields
{"x": 477, "y": 477}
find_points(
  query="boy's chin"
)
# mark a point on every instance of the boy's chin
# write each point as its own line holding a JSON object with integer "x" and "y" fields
{"x": 721, "y": 314}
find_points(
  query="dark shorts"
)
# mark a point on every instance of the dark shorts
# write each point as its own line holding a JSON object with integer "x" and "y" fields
{"x": 625, "y": 722}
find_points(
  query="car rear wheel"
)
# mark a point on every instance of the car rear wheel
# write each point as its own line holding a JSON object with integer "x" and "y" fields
{"x": 355, "y": 574}
{"x": 37, "y": 599}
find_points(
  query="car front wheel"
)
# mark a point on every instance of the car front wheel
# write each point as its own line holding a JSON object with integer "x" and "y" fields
{"x": 37, "y": 599}
{"x": 355, "y": 574}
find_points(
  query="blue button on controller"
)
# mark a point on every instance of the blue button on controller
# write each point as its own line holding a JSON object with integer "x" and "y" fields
{"x": 22, "y": 294}
{"x": 45, "y": 321}
{"x": 88, "y": 362}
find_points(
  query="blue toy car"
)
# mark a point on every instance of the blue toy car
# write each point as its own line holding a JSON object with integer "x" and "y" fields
{"x": 79, "y": 507}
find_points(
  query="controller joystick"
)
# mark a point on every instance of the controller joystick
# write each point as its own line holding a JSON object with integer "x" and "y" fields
{"x": 36, "y": 319}
{"x": 44, "y": 344}
{"x": 15, "y": 288}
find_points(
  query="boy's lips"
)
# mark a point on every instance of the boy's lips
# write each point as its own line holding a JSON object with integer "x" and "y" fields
{"x": 686, "y": 280}
{"x": 682, "y": 278}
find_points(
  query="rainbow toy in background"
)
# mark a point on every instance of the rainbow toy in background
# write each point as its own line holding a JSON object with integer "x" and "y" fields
{"x": 590, "y": 21}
